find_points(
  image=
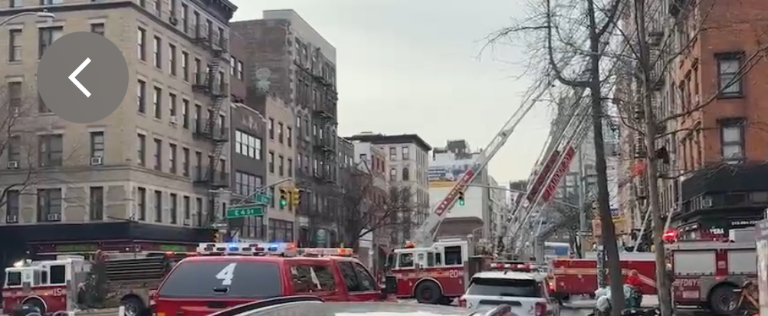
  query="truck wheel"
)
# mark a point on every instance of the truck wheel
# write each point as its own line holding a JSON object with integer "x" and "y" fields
{"x": 37, "y": 303}
{"x": 722, "y": 300}
{"x": 134, "y": 306}
{"x": 428, "y": 292}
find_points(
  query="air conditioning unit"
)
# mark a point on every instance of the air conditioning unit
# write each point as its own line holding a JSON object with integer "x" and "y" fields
{"x": 13, "y": 164}
{"x": 97, "y": 161}
{"x": 11, "y": 219}
{"x": 173, "y": 20}
{"x": 174, "y": 120}
{"x": 187, "y": 222}
{"x": 53, "y": 217}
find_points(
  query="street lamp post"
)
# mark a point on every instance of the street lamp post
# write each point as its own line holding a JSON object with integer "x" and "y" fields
{"x": 44, "y": 14}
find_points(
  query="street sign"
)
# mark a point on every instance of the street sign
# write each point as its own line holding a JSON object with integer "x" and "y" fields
{"x": 263, "y": 199}
{"x": 245, "y": 211}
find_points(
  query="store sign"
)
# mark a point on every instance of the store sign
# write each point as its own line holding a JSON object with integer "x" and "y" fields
{"x": 77, "y": 248}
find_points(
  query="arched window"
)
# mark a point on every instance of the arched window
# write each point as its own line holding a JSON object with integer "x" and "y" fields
{"x": 393, "y": 174}
{"x": 406, "y": 174}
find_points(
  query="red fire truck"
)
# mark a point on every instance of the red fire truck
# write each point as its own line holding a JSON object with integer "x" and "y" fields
{"x": 707, "y": 272}
{"x": 53, "y": 285}
{"x": 579, "y": 276}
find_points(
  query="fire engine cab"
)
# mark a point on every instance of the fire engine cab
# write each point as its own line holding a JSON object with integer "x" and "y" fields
{"x": 433, "y": 275}
{"x": 44, "y": 284}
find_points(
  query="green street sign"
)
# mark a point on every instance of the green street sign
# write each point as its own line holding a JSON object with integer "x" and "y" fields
{"x": 263, "y": 199}
{"x": 245, "y": 211}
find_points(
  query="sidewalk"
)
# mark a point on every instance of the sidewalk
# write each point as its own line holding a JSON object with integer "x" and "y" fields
{"x": 648, "y": 301}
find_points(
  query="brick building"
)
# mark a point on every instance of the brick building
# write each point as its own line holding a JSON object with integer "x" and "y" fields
{"x": 291, "y": 60}
{"x": 146, "y": 171}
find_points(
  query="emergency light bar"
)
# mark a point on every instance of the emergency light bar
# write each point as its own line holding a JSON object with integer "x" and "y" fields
{"x": 246, "y": 249}
{"x": 325, "y": 252}
{"x": 521, "y": 267}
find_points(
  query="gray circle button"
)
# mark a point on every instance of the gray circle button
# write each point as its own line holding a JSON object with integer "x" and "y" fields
{"x": 82, "y": 77}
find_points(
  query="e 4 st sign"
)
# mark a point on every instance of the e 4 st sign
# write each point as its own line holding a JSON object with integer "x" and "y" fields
{"x": 245, "y": 211}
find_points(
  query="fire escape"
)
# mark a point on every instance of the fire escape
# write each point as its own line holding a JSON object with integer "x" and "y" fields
{"x": 213, "y": 84}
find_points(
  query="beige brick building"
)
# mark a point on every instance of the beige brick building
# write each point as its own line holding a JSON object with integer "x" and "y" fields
{"x": 156, "y": 159}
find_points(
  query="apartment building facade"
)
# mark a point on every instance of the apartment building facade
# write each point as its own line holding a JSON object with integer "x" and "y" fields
{"x": 281, "y": 152}
{"x": 371, "y": 160}
{"x": 407, "y": 162}
{"x": 292, "y": 60}
{"x": 146, "y": 171}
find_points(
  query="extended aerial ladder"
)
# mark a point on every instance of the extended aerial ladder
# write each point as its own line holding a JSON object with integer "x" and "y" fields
{"x": 553, "y": 163}
{"x": 425, "y": 234}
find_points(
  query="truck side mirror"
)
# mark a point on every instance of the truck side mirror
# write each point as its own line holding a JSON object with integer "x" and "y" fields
{"x": 390, "y": 284}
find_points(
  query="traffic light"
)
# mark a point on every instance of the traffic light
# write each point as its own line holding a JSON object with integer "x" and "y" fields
{"x": 295, "y": 197}
{"x": 461, "y": 198}
{"x": 283, "y": 197}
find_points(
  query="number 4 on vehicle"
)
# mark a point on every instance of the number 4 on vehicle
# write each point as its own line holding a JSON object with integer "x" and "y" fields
{"x": 226, "y": 274}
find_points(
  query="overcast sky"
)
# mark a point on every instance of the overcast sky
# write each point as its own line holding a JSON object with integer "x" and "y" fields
{"x": 416, "y": 67}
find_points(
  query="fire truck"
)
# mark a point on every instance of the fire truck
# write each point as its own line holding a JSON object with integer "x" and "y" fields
{"x": 579, "y": 276}
{"x": 58, "y": 285}
{"x": 707, "y": 272}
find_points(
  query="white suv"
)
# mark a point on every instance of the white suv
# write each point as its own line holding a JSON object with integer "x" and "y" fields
{"x": 525, "y": 292}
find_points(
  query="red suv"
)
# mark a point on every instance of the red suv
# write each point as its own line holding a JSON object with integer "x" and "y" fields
{"x": 199, "y": 286}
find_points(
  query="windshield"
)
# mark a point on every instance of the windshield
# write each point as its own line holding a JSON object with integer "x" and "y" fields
{"x": 13, "y": 279}
{"x": 223, "y": 278}
{"x": 504, "y": 287}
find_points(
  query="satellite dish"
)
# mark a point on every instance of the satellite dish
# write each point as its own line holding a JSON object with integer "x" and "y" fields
{"x": 263, "y": 73}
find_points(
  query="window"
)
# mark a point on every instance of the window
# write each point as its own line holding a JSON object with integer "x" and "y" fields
{"x": 97, "y": 144}
{"x": 184, "y": 17}
{"x": 240, "y": 70}
{"x": 12, "y": 204}
{"x": 198, "y": 163}
{"x": 14, "y": 45}
{"x": 172, "y": 59}
{"x": 406, "y": 153}
{"x": 49, "y": 205}
{"x": 729, "y": 72}
{"x": 280, "y": 132}
{"x": 187, "y": 211}
{"x": 271, "y": 128}
{"x": 363, "y": 157}
{"x": 185, "y": 162}
{"x": 158, "y": 6}
{"x": 16, "y": 3}
{"x": 172, "y": 158}
{"x": 97, "y": 28}
{"x": 174, "y": 208}
{"x": 247, "y": 145}
{"x": 406, "y": 174}
{"x": 141, "y": 96}
{"x": 156, "y": 103}
{"x": 306, "y": 278}
{"x": 732, "y": 138}
{"x": 281, "y": 166}
{"x": 306, "y": 127}
{"x": 156, "y": 43}
{"x": 199, "y": 205}
{"x": 393, "y": 174}
{"x": 142, "y": 44}
{"x": 172, "y": 104}
{"x": 185, "y": 113}
{"x": 232, "y": 65}
{"x": 504, "y": 287}
{"x": 158, "y": 154}
{"x": 14, "y": 148}
{"x": 290, "y": 167}
{"x": 142, "y": 149}
{"x": 50, "y": 150}
{"x": 185, "y": 65}
{"x": 196, "y": 119}
{"x": 187, "y": 279}
{"x": 48, "y": 35}
{"x": 14, "y": 97}
{"x": 158, "y": 207}
{"x": 96, "y": 204}
{"x": 271, "y": 162}
{"x": 393, "y": 153}
{"x": 198, "y": 76}
{"x": 246, "y": 184}
{"x": 289, "y": 137}
{"x": 141, "y": 203}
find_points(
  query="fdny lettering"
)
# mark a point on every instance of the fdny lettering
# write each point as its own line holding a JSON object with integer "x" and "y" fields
{"x": 687, "y": 282}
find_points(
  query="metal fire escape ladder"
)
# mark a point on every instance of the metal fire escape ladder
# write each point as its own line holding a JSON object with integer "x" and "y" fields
{"x": 219, "y": 91}
{"x": 426, "y": 233}
{"x": 565, "y": 140}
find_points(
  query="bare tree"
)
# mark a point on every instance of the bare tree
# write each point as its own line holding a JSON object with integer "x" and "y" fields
{"x": 368, "y": 205}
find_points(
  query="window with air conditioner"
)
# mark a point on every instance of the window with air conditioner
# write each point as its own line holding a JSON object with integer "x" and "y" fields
{"x": 49, "y": 205}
